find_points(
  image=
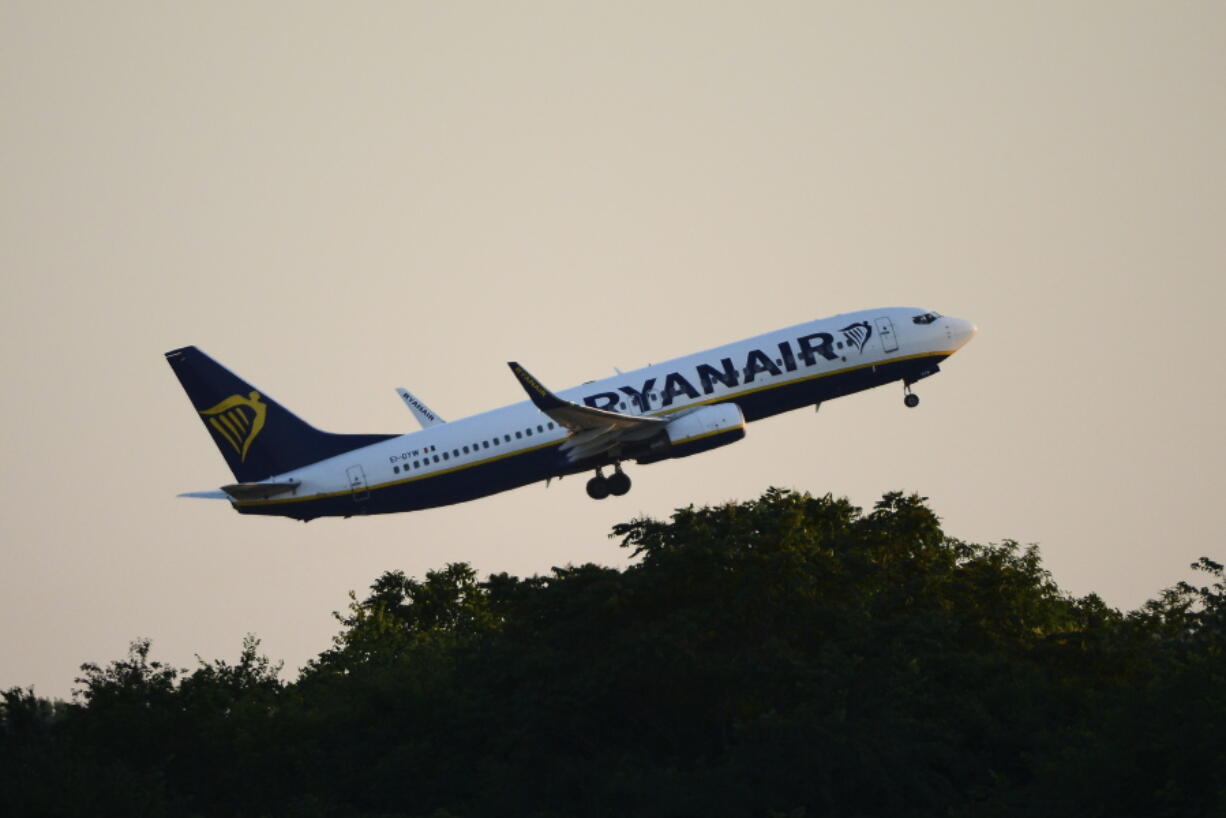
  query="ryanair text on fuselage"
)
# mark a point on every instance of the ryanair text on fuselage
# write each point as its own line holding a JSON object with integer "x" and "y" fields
{"x": 756, "y": 362}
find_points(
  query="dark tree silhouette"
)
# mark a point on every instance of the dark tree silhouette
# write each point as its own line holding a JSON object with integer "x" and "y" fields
{"x": 790, "y": 655}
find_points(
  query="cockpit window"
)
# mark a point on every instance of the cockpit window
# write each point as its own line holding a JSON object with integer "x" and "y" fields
{"x": 926, "y": 318}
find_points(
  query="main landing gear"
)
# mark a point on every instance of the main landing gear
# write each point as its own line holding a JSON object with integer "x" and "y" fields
{"x": 600, "y": 487}
{"x": 910, "y": 399}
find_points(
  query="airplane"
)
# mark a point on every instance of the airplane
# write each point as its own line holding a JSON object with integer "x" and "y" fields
{"x": 285, "y": 467}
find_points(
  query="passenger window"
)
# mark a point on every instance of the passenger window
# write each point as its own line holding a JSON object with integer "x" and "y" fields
{"x": 540, "y": 429}
{"x": 551, "y": 425}
{"x": 436, "y": 458}
{"x": 529, "y": 431}
{"x": 396, "y": 469}
{"x": 446, "y": 456}
{"x": 416, "y": 464}
{"x": 465, "y": 450}
{"x": 508, "y": 438}
{"x": 519, "y": 435}
{"x": 485, "y": 444}
{"x": 455, "y": 452}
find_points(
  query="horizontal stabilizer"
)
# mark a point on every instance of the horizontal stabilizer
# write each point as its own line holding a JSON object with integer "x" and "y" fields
{"x": 259, "y": 491}
{"x": 206, "y": 495}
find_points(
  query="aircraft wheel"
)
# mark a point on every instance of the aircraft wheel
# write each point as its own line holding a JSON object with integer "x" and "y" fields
{"x": 619, "y": 484}
{"x": 911, "y": 400}
{"x": 598, "y": 488}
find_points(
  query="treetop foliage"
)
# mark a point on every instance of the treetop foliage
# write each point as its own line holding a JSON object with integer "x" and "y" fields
{"x": 789, "y": 655}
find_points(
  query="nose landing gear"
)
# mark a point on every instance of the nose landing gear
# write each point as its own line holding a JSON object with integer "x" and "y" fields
{"x": 600, "y": 487}
{"x": 910, "y": 399}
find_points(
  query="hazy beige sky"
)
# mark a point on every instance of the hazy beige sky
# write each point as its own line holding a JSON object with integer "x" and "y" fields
{"x": 338, "y": 199}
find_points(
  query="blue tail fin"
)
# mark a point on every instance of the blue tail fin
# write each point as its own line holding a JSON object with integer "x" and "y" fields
{"x": 257, "y": 436}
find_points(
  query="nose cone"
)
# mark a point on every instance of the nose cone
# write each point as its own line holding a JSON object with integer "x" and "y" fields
{"x": 961, "y": 331}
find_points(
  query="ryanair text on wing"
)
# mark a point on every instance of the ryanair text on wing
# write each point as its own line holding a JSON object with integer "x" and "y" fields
{"x": 419, "y": 406}
{"x": 530, "y": 381}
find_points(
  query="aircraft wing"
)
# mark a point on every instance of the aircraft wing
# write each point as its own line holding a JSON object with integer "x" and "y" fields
{"x": 593, "y": 431}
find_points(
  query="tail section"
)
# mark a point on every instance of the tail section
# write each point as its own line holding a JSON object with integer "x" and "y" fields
{"x": 257, "y": 436}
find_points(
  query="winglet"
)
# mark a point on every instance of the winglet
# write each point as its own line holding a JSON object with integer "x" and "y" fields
{"x": 541, "y": 397}
{"x": 425, "y": 416}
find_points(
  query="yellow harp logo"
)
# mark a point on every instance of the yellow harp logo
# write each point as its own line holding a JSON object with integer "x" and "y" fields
{"x": 238, "y": 420}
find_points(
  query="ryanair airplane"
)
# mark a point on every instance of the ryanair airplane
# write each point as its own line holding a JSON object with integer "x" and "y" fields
{"x": 284, "y": 466}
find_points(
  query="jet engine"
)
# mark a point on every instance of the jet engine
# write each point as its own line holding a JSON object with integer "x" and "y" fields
{"x": 701, "y": 430}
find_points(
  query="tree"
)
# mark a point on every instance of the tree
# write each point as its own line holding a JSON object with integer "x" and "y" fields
{"x": 788, "y": 655}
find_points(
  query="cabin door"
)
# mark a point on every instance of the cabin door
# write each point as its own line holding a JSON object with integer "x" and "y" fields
{"x": 357, "y": 483}
{"x": 885, "y": 330}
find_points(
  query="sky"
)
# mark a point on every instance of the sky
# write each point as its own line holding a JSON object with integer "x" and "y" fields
{"x": 338, "y": 199}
